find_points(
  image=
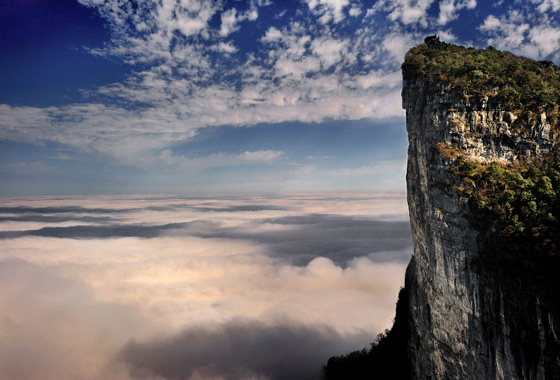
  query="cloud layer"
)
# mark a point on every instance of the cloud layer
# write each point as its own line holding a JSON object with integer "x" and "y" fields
{"x": 223, "y": 294}
{"x": 298, "y": 239}
{"x": 238, "y": 350}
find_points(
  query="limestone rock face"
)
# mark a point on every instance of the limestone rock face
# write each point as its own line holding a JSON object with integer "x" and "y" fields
{"x": 464, "y": 326}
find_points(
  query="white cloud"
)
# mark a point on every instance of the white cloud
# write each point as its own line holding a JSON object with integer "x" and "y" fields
{"x": 329, "y": 51}
{"x": 491, "y": 23}
{"x": 415, "y": 13}
{"x": 328, "y": 10}
{"x": 263, "y": 155}
{"x": 230, "y": 20}
{"x": 520, "y": 33}
{"x": 509, "y": 30}
{"x": 296, "y": 68}
{"x": 398, "y": 43}
{"x": 355, "y": 11}
{"x": 108, "y": 132}
{"x": 380, "y": 79}
{"x": 544, "y": 6}
{"x": 448, "y": 9}
{"x": 129, "y": 137}
{"x": 446, "y": 35}
{"x": 272, "y": 35}
{"x": 228, "y": 48}
{"x": 157, "y": 22}
{"x": 406, "y": 11}
{"x": 546, "y": 38}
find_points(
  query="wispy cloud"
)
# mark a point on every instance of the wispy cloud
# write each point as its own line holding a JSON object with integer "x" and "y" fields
{"x": 185, "y": 164}
{"x": 231, "y": 18}
{"x": 526, "y": 32}
{"x": 546, "y": 5}
{"x": 328, "y": 10}
{"x": 405, "y": 11}
{"x": 448, "y": 9}
{"x": 192, "y": 67}
{"x": 187, "y": 76}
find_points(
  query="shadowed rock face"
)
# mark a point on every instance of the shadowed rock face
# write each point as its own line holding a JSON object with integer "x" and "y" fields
{"x": 465, "y": 324}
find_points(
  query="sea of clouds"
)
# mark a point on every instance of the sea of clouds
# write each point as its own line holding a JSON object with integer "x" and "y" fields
{"x": 241, "y": 287}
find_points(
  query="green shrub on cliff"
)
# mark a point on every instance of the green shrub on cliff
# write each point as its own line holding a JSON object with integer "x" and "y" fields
{"x": 518, "y": 84}
{"x": 519, "y": 201}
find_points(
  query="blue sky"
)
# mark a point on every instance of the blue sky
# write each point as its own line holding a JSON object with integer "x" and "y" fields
{"x": 174, "y": 96}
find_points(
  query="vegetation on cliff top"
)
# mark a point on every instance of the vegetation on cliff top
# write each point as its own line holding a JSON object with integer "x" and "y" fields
{"x": 520, "y": 85}
{"x": 519, "y": 201}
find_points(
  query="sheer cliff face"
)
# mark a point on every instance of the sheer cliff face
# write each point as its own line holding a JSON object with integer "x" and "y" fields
{"x": 465, "y": 325}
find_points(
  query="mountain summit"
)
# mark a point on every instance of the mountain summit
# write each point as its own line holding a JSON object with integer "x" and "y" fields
{"x": 484, "y": 193}
{"x": 481, "y": 296}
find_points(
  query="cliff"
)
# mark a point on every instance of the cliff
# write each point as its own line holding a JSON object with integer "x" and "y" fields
{"x": 482, "y": 291}
{"x": 483, "y": 281}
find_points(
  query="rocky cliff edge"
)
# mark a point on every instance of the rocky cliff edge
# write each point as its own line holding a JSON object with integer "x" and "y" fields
{"x": 477, "y": 310}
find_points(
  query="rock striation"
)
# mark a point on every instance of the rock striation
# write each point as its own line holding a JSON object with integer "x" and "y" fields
{"x": 466, "y": 324}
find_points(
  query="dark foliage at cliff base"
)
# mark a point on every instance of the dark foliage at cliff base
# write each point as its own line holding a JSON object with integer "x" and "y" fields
{"x": 386, "y": 359}
{"x": 521, "y": 85}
